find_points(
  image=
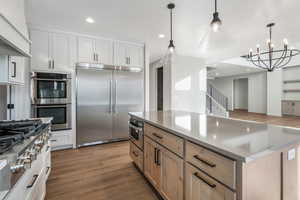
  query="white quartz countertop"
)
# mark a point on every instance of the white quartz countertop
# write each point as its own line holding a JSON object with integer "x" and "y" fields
{"x": 241, "y": 140}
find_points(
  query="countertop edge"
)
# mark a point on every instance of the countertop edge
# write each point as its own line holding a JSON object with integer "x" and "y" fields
{"x": 222, "y": 151}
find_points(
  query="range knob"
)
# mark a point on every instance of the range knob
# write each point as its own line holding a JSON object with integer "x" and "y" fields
{"x": 32, "y": 154}
{"x": 17, "y": 167}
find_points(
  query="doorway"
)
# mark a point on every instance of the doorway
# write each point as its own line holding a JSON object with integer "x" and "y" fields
{"x": 160, "y": 88}
{"x": 241, "y": 94}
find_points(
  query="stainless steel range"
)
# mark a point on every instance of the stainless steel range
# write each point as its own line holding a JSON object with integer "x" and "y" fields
{"x": 21, "y": 142}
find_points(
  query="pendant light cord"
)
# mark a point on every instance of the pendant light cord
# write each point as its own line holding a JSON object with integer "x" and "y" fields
{"x": 216, "y": 6}
{"x": 171, "y": 18}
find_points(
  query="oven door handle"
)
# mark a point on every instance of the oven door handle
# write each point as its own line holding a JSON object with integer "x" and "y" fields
{"x": 53, "y": 106}
{"x": 49, "y": 79}
{"x": 135, "y": 127}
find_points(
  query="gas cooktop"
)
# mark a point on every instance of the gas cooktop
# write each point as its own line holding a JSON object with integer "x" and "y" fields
{"x": 14, "y": 132}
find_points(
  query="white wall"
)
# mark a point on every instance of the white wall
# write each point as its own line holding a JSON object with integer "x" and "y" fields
{"x": 189, "y": 79}
{"x": 257, "y": 90}
{"x": 185, "y": 80}
{"x": 241, "y": 94}
{"x": 274, "y": 93}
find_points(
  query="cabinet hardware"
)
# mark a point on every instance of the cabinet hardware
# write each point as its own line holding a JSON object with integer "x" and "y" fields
{"x": 134, "y": 153}
{"x": 53, "y": 140}
{"x": 158, "y": 136}
{"x": 33, "y": 181}
{"x": 205, "y": 181}
{"x": 205, "y": 161}
{"x": 52, "y": 64}
{"x": 97, "y": 56}
{"x": 158, "y": 157}
{"x": 129, "y": 60}
{"x": 15, "y": 69}
{"x": 155, "y": 158}
{"x": 47, "y": 171}
{"x": 49, "y": 64}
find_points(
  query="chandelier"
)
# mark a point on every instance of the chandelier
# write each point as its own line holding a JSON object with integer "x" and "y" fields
{"x": 272, "y": 58}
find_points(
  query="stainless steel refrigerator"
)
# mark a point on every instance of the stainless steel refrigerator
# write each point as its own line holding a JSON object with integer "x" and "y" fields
{"x": 105, "y": 95}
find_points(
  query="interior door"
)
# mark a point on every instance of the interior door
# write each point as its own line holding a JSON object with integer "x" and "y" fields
{"x": 128, "y": 97}
{"x": 94, "y": 118}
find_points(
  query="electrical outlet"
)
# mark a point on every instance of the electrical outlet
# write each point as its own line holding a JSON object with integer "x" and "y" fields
{"x": 292, "y": 154}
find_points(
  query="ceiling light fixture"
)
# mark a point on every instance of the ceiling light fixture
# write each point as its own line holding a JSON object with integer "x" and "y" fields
{"x": 171, "y": 46}
{"x": 161, "y": 36}
{"x": 90, "y": 20}
{"x": 216, "y": 22}
{"x": 272, "y": 59}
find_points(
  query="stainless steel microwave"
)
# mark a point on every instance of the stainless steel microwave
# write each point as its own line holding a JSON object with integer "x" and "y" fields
{"x": 50, "y": 88}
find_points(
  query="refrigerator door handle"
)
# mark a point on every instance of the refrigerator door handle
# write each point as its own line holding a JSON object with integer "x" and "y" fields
{"x": 115, "y": 104}
{"x": 110, "y": 97}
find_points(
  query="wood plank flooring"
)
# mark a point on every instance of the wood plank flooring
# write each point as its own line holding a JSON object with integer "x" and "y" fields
{"x": 103, "y": 172}
{"x": 281, "y": 121}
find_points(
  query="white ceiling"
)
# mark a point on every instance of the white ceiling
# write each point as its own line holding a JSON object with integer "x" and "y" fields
{"x": 142, "y": 20}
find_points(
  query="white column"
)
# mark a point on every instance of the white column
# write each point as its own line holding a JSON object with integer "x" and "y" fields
{"x": 274, "y": 92}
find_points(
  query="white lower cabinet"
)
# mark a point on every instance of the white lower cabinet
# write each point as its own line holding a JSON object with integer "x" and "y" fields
{"x": 61, "y": 140}
{"x": 32, "y": 185}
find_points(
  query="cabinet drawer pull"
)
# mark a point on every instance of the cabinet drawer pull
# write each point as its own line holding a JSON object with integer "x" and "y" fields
{"x": 157, "y": 136}
{"x": 155, "y": 155}
{"x": 158, "y": 157}
{"x": 205, "y": 181}
{"x": 205, "y": 161}
{"x": 134, "y": 153}
{"x": 33, "y": 181}
{"x": 53, "y": 140}
{"x": 15, "y": 69}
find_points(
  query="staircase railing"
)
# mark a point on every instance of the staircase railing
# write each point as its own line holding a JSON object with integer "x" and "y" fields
{"x": 217, "y": 103}
{"x": 214, "y": 108}
{"x": 218, "y": 96}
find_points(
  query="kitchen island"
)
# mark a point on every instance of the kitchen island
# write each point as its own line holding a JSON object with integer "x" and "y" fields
{"x": 195, "y": 156}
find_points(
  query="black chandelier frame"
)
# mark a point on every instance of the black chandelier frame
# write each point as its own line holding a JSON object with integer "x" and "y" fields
{"x": 272, "y": 59}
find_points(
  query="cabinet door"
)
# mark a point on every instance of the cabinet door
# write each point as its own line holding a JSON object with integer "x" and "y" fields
{"x": 16, "y": 70}
{"x": 199, "y": 186}
{"x": 297, "y": 108}
{"x": 104, "y": 51}
{"x": 135, "y": 54}
{"x": 152, "y": 170}
{"x": 40, "y": 50}
{"x": 60, "y": 51}
{"x": 172, "y": 175}
{"x": 121, "y": 57}
{"x": 86, "y": 50}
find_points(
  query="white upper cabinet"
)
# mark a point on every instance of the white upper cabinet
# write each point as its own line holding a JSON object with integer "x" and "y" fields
{"x": 95, "y": 50}
{"x": 40, "y": 50}
{"x": 50, "y": 51}
{"x": 86, "y": 52}
{"x": 130, "y": 55}
{"x": 12, "y": 70}
{"x": 104, "y": 51}
{"x": 60, "y": 51}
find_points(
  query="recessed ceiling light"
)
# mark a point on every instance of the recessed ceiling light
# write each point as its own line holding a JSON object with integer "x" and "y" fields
{"x": 161, "y": 36}
{"x": 90, "y": 20}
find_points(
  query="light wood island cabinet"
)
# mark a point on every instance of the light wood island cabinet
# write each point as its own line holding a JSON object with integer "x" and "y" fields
{"x": 183, "y": 168}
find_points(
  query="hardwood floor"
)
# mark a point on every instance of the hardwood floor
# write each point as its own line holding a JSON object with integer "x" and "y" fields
{"x": 281, "y": 121}
{"x": 103, "y": 172}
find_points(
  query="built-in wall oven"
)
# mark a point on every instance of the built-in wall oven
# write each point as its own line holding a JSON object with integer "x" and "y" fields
{"x": 136, "y": 132}
{"x": 51, "y": 97}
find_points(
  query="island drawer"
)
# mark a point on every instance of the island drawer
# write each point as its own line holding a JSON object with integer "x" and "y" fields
{"x": 216, "y": 165}
{"x": 200, "y": 186}
{"x": 137, "y": 156}
{"x": 164, "y": 138}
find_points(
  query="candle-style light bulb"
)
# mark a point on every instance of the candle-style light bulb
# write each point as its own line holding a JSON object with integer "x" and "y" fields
{"x": 285, "y": 41}
{"x": 258, "y": 48}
